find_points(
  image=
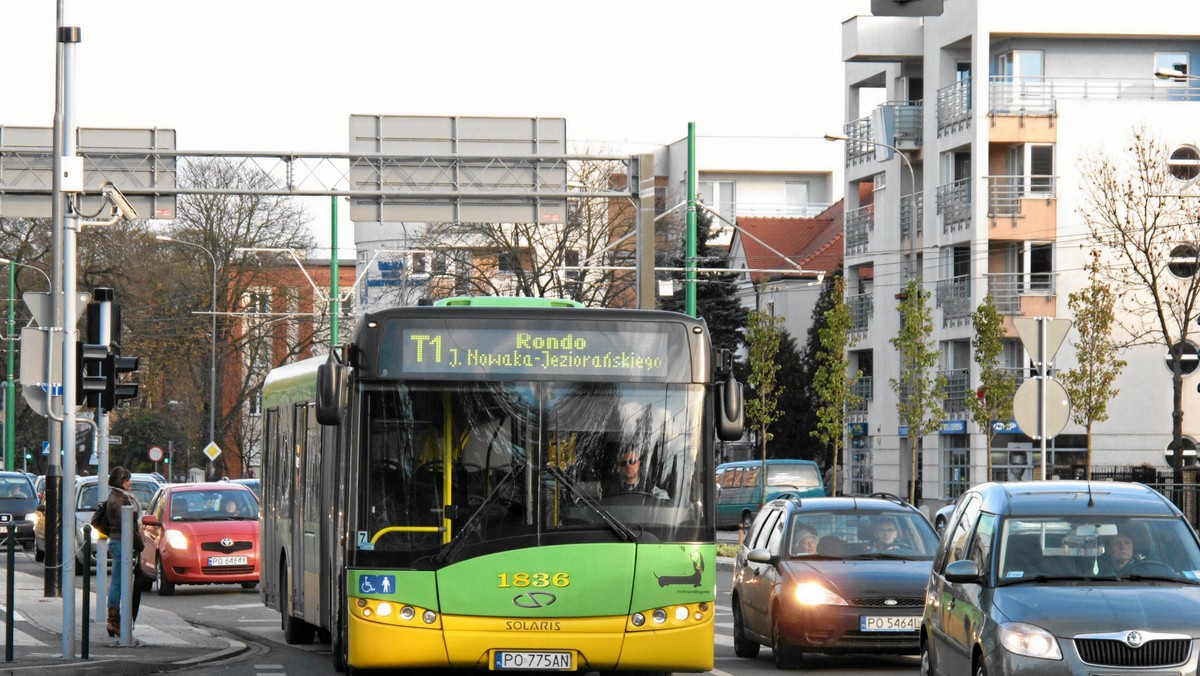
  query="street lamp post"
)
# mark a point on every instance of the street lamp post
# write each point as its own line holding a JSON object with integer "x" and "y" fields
{"x": 10, "y": 388}
{"x": 212, "y": 367}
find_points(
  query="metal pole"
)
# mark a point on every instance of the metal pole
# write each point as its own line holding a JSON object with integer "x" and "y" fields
{"x": 10, "y": 388}
{"x": 690, "y": 261}
{"x": 51, "y": 578}
{"x": 645, "y": 232}
{"x": 11, "y": 529}
{"x": 212, "y": 367}
{"x": 1043, "y": 375}
{"x": 126, "y": 579}
{"x": 335, "y": 306}
{"x": 70, "y": 335}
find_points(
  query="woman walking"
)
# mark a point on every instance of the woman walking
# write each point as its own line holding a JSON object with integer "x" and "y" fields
{"x": 119, "y": 481}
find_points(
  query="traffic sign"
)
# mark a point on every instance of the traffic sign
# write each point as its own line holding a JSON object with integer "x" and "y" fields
{"x": 1025, "y": 407}
{"x": 1056, "y": 333}
{"x": 156, "y": 453}
{"x": 212, "y": 450}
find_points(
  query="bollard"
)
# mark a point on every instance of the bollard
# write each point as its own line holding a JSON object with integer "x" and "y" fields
{"x": 87, "y": 600}
{"x": 126, "y": 579}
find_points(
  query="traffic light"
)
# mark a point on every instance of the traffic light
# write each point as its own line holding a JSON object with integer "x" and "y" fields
{"x": 115, "y": 391}
{"x": 90, "y": 381}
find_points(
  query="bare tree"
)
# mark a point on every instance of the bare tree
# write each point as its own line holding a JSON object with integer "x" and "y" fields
{"x": 1143, "y": 228}
{"x": 574, "y": 259}
{"x": 222, "y": 224}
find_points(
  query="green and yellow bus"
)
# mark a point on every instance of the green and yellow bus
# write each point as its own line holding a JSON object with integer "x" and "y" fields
{"x": 439, "y": 492}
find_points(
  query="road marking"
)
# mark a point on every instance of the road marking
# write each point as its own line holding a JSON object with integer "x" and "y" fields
{"x": 264, "y": 621}
{"x": 722, "y": 640}
{"x": 234, "y": 606}
{"x": 21, "y": 638}
{"x": 150, "y": 636}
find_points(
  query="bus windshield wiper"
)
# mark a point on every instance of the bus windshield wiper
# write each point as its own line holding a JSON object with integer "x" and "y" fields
{"x": 613, "y": 522}
{"x": 472, "y": 525}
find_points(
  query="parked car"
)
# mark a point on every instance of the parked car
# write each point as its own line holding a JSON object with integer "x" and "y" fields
{"x": 942, "y": 517}
{"x": 252, "y": 484}
{"x": 143, "y": 487}
{"x": 202, "y": 533}
{"x": 17, "y": 499}
{"x": 813, "y": 577}
{"x": 1063, "y": 577}
{"x": 741, "y": 488}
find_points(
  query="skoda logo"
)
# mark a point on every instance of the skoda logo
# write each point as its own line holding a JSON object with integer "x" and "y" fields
{"x": 535, "y": 599}
{"x": 890, "y": 602}
{"x": 1134, "y": 639}
{"x": 226, "y": 542}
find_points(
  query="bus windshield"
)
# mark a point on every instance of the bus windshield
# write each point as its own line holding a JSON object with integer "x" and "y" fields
{"x": 530, "y": 463}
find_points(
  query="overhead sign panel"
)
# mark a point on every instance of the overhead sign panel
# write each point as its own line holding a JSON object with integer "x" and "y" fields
{"x": 140, "y": 162}
{"x": 458, "y": 169}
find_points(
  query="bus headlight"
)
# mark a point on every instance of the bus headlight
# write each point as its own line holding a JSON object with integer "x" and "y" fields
{"x": 659, "y": 615}
{"x": 429, "y": 617}
{"x": 407, "y": 613}
{"x": 383, "y": 609}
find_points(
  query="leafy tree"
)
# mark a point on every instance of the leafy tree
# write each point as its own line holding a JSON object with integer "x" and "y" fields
{"x": 790, "y": 437}
{"x": 997, "y": 387}
{"x": 1137, "y": 218}
{"x": 832, "y": 382}
{"x": 919, "y": 388}
{"x": 764, "y": 332}
{"x": 1090, "y": 385}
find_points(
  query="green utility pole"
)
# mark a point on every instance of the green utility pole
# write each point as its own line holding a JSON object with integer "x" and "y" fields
{"x": 10, "y": 406}
{"x": 690, "y": 262}
{"x": 334, "y": 306}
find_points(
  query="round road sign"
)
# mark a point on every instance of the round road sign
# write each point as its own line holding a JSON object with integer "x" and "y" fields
{"x": 1025, "y": 407}
{"x": 156, "y": 453}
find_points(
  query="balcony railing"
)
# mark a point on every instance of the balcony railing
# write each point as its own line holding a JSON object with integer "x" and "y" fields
{"x": 861, "y": 307}
{"x": 858, "y": 148}
{"x": 859, "y": 225}
{"x": 958, "y": 384}
{"x": 864, "y": 389}
{"x": 809, "y": 210}
{"x": 1039, "y": 95}
{"x": 954, "y": 204}
{"x": 1006, "y": 192}
{"x": 954, "y": 107}
{"x": 907, "y": 117}
{"x": 953, "y": 296}
{"x": 1008, "y": 287}
{"x": 912, "y": 213}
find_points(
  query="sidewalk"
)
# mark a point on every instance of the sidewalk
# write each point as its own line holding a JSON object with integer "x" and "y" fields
{"x": 162, "y": 640}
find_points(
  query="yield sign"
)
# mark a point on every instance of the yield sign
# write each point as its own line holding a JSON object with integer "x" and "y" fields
{"x": 1056, "y": 333}
{"x": 212, "y": 450}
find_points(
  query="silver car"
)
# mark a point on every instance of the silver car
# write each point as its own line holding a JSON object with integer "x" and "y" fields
{"x": 1063, "y": 577}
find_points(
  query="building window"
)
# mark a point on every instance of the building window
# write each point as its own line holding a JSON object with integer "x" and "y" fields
{"x": 1041, "y": 266}
{"x": 508, "y": 261}
{"x": 956, "y": 463}
{"x": 420, "y": 263}
{"x": 1171, "y": 61}
{"x": 720, "y": 196}
{"x": 795, "y": 195}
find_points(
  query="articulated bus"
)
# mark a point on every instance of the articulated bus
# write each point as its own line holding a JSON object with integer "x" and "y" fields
{"x": 440, "y": 491}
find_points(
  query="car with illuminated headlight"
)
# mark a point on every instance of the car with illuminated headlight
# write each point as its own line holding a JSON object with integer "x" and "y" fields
{"x": 19, "y": 501}
{"x": 832, "y": 575}
{"x": 201, "y": 533}
{"x": 1064, "y": 577}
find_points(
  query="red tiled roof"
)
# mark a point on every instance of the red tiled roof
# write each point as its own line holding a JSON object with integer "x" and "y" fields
{"x": 815, "y": 244}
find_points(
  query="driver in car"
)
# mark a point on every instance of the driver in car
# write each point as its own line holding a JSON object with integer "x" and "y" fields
{"x": 1118, "y": 555}
{"x": 628, "y": 478}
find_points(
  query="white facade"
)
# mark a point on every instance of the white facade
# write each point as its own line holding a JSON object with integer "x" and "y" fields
{"x": 999, "y": 103}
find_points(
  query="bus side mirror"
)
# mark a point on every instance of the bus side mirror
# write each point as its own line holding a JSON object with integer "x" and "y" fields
{"x": 730, "y": 413}
{"x": 331, "y": 392}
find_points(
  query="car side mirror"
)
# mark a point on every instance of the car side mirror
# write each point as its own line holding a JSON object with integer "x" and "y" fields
{"x": 150, "y": 520}
{"x": 760, "y": 555}
{"x": 963, "y": 570}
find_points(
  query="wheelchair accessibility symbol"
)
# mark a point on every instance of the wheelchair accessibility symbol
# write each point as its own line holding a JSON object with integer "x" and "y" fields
{"x": 376, "y": 584}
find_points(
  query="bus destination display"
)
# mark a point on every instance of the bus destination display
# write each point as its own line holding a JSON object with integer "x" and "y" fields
{"x": 537, "y": 352}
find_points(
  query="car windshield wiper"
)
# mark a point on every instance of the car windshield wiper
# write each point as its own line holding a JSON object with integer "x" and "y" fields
{"x": 867, "y": 556}
{"x": 1158, "y": 578}
{"x": 1045, "y": 578}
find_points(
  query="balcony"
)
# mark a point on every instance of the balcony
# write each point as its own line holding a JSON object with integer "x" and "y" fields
{"x": 861, "y": 307}
{"x": 958, "y": 385}
{"x": 859, "y": 225}
{"x": 864, "y": 389}
{"x": 954, "y": 205}
{"x": 1005, "y": 193}
{"x": 954, "y": 107}
{"x": 1008, "y": 288}
{"x": 912, "y": 213}
{"x": 1039, "y": 95}
{"x": 907, "y": 120}
{"x": 953, "y": 296}
{"x": 859, "y": 150}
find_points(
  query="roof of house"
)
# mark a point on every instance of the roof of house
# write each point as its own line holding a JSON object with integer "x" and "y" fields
{"x": 814, "y": 244}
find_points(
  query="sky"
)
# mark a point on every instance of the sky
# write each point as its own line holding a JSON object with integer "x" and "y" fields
{"x": 274, "y": 75}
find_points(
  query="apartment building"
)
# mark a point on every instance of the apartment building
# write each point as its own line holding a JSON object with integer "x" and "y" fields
{"x": 973, "y": 165}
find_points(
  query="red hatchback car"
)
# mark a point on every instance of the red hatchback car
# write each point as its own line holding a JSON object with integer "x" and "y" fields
{"x": 203, "y": 533}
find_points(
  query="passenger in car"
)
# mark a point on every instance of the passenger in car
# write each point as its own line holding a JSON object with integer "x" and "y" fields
{"x": 804, "y": 541}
